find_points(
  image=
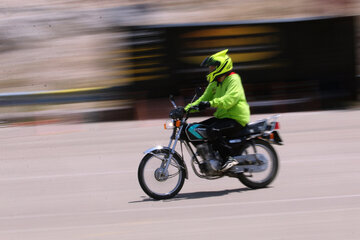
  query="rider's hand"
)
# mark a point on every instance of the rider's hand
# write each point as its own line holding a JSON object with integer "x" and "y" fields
{"x": 204, "y": 105}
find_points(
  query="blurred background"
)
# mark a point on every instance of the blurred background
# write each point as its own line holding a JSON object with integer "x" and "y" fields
{"x": 119, "y": 60}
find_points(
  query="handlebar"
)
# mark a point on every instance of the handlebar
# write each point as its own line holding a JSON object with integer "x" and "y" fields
{"x": 185, "y": 113}
{"x": 196, "y": 108}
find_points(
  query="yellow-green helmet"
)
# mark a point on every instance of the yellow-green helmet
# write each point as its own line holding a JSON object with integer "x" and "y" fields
{"x": 222, "y": 62}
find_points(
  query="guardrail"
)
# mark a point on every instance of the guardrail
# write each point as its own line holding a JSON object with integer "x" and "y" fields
{"x": 63, "y": 96}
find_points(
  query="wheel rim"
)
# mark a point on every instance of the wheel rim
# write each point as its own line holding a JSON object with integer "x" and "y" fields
{"x": 159, "y": 181}
{"x": 260, "y": 177}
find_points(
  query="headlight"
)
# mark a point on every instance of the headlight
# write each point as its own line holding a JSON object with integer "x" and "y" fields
{"x": 169, "y": 124}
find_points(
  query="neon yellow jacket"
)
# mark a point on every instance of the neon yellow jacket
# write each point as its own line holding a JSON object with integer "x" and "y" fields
{"x": 229, "y": 99}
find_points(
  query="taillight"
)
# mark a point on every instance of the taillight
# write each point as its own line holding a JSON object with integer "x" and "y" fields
{"x": 271, "y": 136}
{"x": 277, "y": 125}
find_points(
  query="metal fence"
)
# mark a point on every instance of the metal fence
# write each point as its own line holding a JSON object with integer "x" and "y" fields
{"x": 288, "y": 65}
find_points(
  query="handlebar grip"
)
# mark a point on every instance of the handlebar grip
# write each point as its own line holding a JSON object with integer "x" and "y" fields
{"x": 196, "y": 108}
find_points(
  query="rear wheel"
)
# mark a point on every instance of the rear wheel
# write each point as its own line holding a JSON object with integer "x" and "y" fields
{"x": 264, "y": 178}
{"x": 157, "y": 182}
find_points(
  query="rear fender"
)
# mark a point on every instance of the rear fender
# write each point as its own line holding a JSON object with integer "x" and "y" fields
{"x": 153, "y": 150}
{"x": 273, "y": 137}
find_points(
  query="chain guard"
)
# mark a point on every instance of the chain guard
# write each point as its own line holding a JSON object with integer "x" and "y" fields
{"x": 250, "y": 163}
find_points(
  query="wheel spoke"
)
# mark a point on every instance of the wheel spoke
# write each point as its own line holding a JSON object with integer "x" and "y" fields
{"x": 160, "y": 158}
{"x": 175, "y": 165}
{"x": 174, "y": 175}
{"x": 263, "y": 177}
{"x": 164, "y": 160}
{"x": 155, "y": 181}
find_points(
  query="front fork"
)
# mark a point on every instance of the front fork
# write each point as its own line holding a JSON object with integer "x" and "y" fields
{"x": 172, "y": 145}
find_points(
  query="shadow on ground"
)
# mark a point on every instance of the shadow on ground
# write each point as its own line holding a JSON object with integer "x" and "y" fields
{"x": 197, "y": 195}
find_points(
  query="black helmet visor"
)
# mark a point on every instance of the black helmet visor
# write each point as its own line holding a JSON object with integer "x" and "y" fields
{"x": 209, "y": 61}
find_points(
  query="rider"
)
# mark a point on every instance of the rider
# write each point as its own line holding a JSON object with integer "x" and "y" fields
{"x": 224, "y": 92}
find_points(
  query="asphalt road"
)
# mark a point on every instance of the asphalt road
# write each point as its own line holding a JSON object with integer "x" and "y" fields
{"x": 79, "y": 182}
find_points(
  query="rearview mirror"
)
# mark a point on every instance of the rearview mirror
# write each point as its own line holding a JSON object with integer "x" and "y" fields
{"x": 172, "y": 100}
{"x": 198, "y": 91}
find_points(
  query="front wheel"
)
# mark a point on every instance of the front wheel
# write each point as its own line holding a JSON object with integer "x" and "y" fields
{"x": 264, "y": 178}
{"x": 157, "y": 182}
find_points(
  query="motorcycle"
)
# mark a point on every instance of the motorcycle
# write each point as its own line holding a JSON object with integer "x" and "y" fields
{"x": 162, "y": 171}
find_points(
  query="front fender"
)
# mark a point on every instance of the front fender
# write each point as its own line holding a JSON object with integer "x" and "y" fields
{"x": 150, "y": 150}
{"x": 156, "y": 148}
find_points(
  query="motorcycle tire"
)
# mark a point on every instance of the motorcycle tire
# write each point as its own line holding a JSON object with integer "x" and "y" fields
{"x": 153, "y": 176}
{"x": 247, "y": 180}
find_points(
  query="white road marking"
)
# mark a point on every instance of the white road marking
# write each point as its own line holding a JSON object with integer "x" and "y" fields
{"x": 332, "y": 157}
{"x": 66, "y": 175}
{"x": 167, "y": 221}
{"x": 152, "y": 208}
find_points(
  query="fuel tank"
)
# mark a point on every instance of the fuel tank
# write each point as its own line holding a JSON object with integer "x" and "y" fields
{"x": 196, "y": 132}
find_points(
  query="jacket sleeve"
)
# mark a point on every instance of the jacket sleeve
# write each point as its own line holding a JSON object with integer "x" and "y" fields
{"x": 207, "y": 96}
{"x": 231, "y": 96}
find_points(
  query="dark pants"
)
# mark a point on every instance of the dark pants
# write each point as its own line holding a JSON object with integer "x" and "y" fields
{"x": 217, "y": 129}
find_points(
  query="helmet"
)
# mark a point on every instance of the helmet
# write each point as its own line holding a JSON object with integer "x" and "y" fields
{"x": 222, "y": 62}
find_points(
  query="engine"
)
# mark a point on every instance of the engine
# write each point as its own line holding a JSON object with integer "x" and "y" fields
{"x": 211, "y": 161}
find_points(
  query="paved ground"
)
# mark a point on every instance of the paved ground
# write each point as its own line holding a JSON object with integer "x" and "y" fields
{"x": 79, "y": 182}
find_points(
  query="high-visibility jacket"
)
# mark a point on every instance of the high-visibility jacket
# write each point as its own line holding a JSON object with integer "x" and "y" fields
{"x": 229, "y": 99}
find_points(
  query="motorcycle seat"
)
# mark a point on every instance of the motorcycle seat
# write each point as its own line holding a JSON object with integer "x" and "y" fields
{"x": 252, "y": 128}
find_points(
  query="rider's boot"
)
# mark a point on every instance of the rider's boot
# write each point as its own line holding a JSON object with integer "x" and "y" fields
{"x": 229, "y": 164}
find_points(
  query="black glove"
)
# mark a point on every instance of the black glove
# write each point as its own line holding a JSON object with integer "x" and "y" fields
{"x": 204, "y": 105}
{"x": 177, "y": 113}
